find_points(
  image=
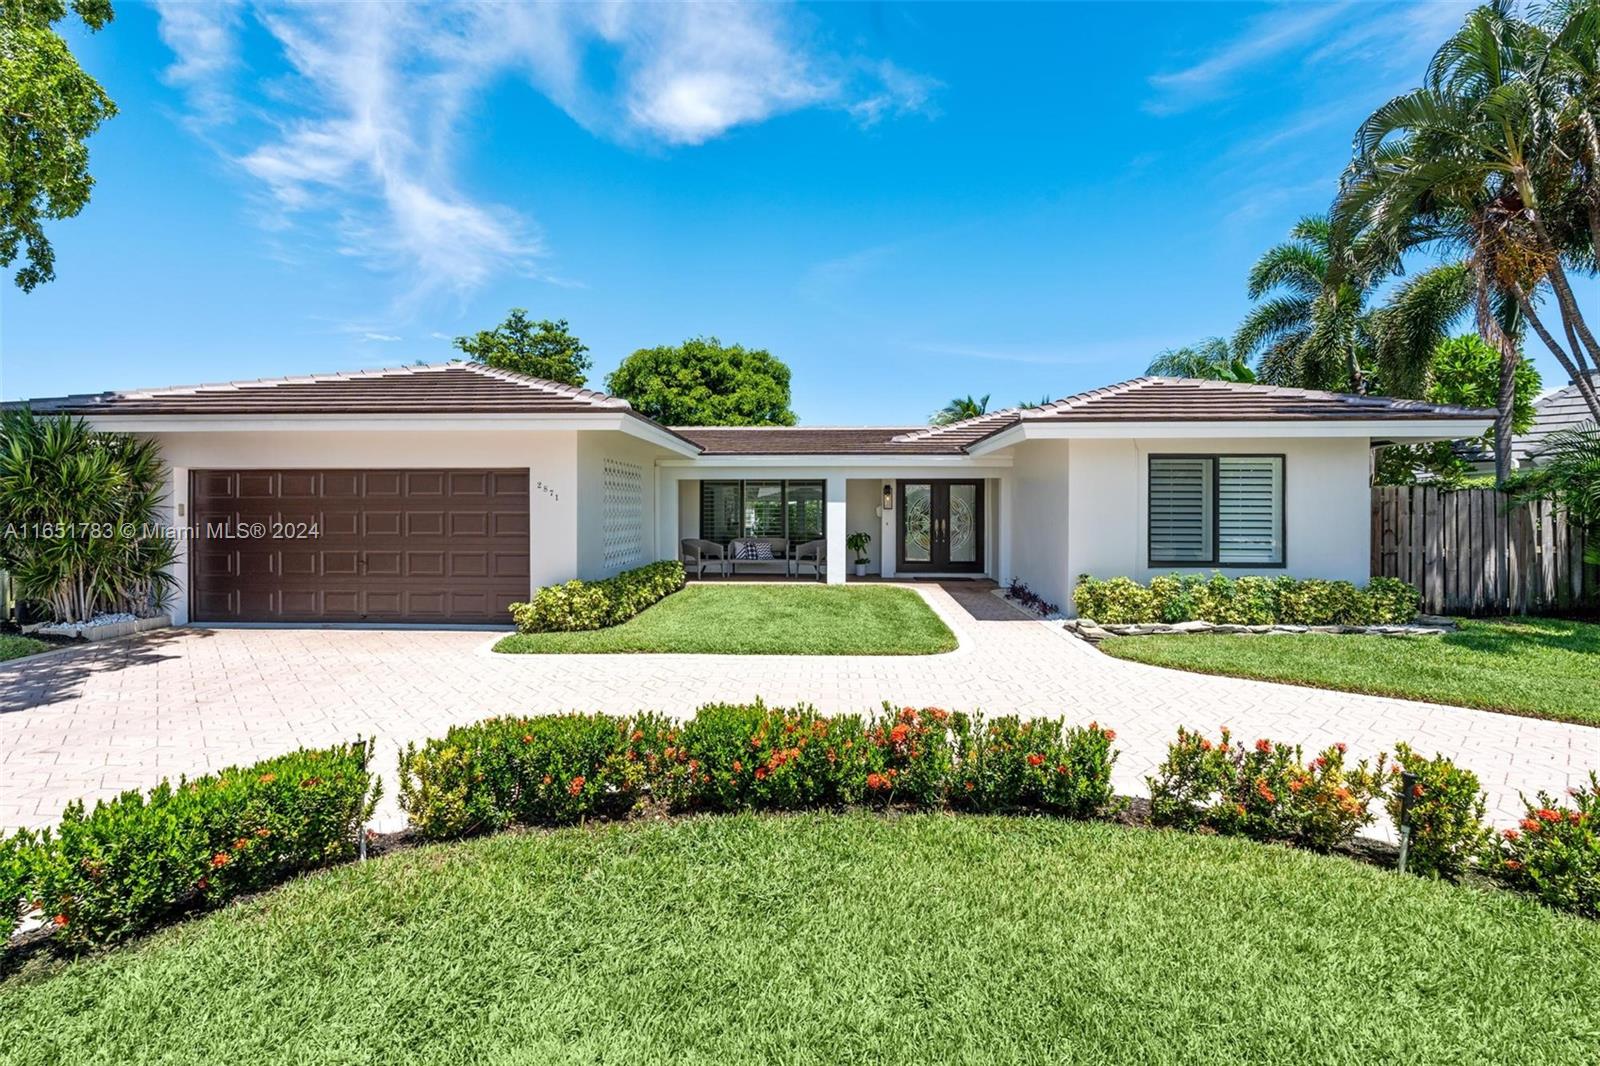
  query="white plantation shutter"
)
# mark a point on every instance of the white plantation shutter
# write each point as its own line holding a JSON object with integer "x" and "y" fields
{"x": 1181, "y": 520}
{"x": 1249, "y": 509}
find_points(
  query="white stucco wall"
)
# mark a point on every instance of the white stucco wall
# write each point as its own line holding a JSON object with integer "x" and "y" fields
{"x": 592, "y": 451}
{"x": 1327, "y": 505}
{"x": 863, "y": 497}
{"x": 1039, "y": 518}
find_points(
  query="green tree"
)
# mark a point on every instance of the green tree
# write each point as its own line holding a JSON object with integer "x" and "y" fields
{"x": 1568, "y": 472}
{"x": 1464, "y": 372}
{"x": 1211, "y": 358}
{"x": 1496, "y": 156}
{"x": 542, "y": 349}
{"x": 703, "y": 382}
{"x": 48, "y": 109}
{"x": 960, "y": 409}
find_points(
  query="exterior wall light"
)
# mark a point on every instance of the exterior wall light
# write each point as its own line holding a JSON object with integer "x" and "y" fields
{"x": 888, "y": 497}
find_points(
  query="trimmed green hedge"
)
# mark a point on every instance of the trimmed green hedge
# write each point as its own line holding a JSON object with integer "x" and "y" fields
{"x": 1246, "y": 600}
{"x": 729, "y": 757}
{"x": 580, "y": 605}
{"x": 109, "y": 873}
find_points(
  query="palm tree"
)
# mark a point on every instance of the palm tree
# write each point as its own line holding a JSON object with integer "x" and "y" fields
{"x": 1211, "y": 358}
{"x": 960, "y": 408}
{"x": 1495, "y": 159}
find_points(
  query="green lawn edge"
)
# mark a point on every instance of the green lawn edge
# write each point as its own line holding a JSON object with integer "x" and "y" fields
{"x": 13, "y": 646}
{"x": 761, "y": 619}
{"x": 835, "y": 937}
{"x": 1530, "y": 667}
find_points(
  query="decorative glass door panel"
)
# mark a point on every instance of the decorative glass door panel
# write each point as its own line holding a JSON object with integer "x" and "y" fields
{"x": 941, "y": 526}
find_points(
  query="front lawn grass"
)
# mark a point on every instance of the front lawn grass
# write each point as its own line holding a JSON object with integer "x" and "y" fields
{"x": 763, "y": 620}
{"x": 836, "y": 938}
{"x": 13, "y": 646}
{"x": 1545, "y": 667}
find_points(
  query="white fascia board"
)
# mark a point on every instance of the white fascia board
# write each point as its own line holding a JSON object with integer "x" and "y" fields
{"x": 876, "y": 462}
{"x": 420, "y": 423}
{"x": 1388, "y": 428}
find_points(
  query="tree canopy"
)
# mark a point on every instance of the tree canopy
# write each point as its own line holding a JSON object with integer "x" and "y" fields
{"x": 542, "y": 349}
{"x": 48, "y": 108}
{"x": 1211, "y": 358}
{"x": 959, "y": 409}
{"x": 703, "y": 382}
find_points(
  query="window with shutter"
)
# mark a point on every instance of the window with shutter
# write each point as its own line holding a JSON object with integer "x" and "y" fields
{"x": 1182, "y": 528}
{"x": 1250, "y": 510}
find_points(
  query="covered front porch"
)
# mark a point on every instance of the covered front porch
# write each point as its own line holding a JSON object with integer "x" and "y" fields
{"x": 773, "y": 522}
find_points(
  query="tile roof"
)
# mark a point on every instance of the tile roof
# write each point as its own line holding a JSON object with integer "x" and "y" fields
{"x": 1559, "y": 410}
{"x": 810, "y": 440}
{"x": 442, "y": 388}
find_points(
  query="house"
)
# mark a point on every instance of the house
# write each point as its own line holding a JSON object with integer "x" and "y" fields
{"x": 442, "y": 493}
{"x": 1557, "y": 410}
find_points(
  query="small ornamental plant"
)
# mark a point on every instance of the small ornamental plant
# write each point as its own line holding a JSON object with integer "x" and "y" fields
{"x": 1555, "y": 851}
{"x": 1262, "y": 790}
{"x": 1008, "y": 764}
{"x": 15, "y": 867}
{"x": 1447, "y": 811}
{"x": 731, "y": 757}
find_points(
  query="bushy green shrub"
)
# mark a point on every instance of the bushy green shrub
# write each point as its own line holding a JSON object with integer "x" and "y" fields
{"x": 1120, "y": 600}
{"x": 15, "y": 876}
{"x": 1555, "y": 853}
{"x": 1264, "y": 791}
{"x": 581, "y": 605}
{"x": 543, "y": 770}
{"x": 1447, "y": 827}
{"x": 911, "y": 757}
{"x": 731, "y": 757}
{"x": 121, "y": 868}
{"x": 1247, "y": 600}
{"x": 1042, "y": 764}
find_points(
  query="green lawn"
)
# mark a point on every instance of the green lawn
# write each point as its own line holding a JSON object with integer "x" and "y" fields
{"x": 836, "y": 938}
{"x": 764, "y": 620}
{"x": 1535, "y": 666}
{"x": 13, "y": 646}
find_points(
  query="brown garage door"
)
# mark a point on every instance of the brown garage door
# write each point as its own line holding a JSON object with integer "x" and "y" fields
{"x": 357, "y": 545}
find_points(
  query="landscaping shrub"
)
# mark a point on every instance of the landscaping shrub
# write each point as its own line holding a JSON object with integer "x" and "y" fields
{"x": 910, "y": 760}
{"x": 1555, "y": 854}
{"x": 1248, "y": 600}
{"x": 1008, "y": 764}
{"x": 119, "y": 869}
{"x": 15, "y": 852}
{"x": 1447, "y": 828}
{"x": 1019, "y": 591}
{"x": 580, "y": 605}
{"x": 731, "y": 757}
{"x": 1263, "y": 791}
{"x": 544, "y": 770}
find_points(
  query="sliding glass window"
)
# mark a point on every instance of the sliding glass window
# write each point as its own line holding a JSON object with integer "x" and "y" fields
{"x": 792, "y": 510}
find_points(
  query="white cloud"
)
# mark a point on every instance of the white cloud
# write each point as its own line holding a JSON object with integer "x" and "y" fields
{"x": 1266, "y": 37}
{"x": 381, "y": 337}
{"x": 364, "y": 131}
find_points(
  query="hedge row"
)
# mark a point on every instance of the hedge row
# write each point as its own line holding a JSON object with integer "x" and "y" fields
{"x": 579, "y": 605}
{"x": 132, "y": 862}
{"x": 557, "y": 770}
{"x": 1247, "y": 600}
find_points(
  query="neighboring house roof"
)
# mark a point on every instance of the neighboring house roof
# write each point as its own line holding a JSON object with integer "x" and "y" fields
{"x": 443, "y": 388}
{"x": 1562, "y": 409}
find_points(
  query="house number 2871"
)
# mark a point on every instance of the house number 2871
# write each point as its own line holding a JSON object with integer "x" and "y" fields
{"x": 548, "y": 490}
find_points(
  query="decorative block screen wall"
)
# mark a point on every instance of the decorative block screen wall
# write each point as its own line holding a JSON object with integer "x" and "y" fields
{"x": 622, "y": 526}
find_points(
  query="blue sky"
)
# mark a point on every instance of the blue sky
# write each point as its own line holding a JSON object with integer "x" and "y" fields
{"x": 902, "y": 202}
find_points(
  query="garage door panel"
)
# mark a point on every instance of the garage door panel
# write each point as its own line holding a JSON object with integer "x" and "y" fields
{"x": 391, "y": 545}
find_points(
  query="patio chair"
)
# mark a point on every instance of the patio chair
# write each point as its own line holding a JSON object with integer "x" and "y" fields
{"x": 814, "y": 553}
{"x": 697, "y": 553}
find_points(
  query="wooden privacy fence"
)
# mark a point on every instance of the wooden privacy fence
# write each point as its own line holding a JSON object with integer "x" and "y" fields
{"x": 1474, "y": 552}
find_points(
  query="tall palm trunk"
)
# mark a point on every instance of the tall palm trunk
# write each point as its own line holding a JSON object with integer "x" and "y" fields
{"x": 1495, "y": 337}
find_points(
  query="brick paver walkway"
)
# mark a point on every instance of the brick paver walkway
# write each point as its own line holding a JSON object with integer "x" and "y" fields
{"x": 89, "y": 722}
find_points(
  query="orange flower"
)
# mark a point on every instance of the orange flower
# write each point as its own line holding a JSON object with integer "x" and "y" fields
{"x": 1061, "y": 769}
{"x": 311, "y": 782}
{"x": 547, "y": 779}
{"x": 219, "y": 860}
{"x": 576, "y": 786}
{"x": 755, "y": 741}
{"x": 1530, "y": 825}
{"x": 761, "y": 773}
{"x": 1545, "y": 814}
{"x": 1341, "y": 747}
{"x": 1264, "y": 746}
{"x": 1035, "y": 759}
{"x": 263, "y": 832}
{"x": 877, "y": 782}
{"x": 1296, "y": 785}
{"x": 738, "y": 767}
{"x": 898, "y": 733}
{"x": 1513, "y": 864}
{"x": 638, "y": 735}
{"x": 1265, "y": 791}
{"x": 527, "y": 738}
{"x": 267, "y": 779}
{"x": 1205, "y": 745}
{"x": 1511, "y": 835}
{"x": 60, "y": 920}
{"x": 1110, "y": 734}
{"x": 239, "y": 845}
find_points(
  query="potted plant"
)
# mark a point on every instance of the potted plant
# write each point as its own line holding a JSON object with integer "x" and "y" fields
{"x": 857, "y": 542}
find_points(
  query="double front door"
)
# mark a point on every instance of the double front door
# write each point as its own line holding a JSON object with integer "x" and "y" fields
{"x": 941, "y": 526}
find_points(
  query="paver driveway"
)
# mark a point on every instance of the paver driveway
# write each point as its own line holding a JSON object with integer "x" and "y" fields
{"x": 89, "y": 722}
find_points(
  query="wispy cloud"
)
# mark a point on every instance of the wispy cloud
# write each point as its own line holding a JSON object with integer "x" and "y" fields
{"x": 1267, "y": 37}
{"x": 364, "y": 132}
{"x": 385, "y": 338}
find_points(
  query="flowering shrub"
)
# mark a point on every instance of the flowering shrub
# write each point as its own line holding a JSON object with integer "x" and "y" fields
{"x": 119, "y": 869}
{"x": 1555, "y": 852}
{"x": 1447, "y": 828}
{"x": 1262, "y": 790}
{"x": 751, "y": 756}
{"x": 579, "y": 605}
{"x": 545, "y": 770}
{"x": 14, "y": 874}
{"x": 1246, "y": 600}
{"x": 1008, "y": 764}
{"x": 910, "y": 756}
